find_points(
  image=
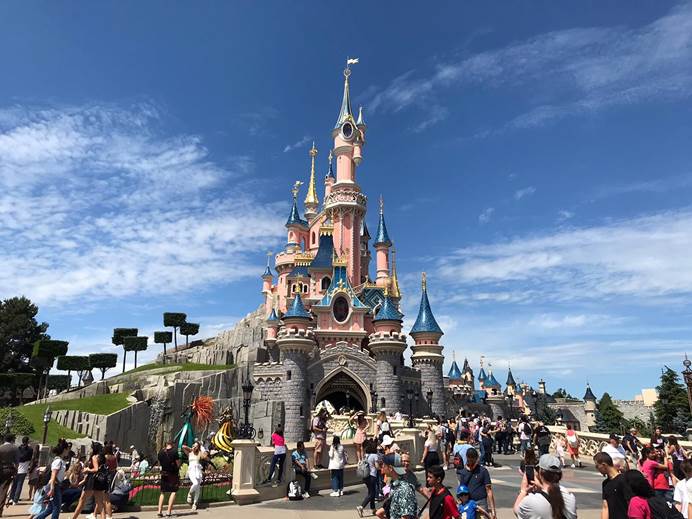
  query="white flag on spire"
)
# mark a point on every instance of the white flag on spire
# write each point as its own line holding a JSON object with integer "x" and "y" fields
{"x": 351, "y": 61}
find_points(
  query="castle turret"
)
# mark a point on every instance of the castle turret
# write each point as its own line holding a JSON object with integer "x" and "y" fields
{"x": 364, "y": 252}
{"x": 387, "y": 344}
{"x": 329, "y": 178}
{"x": 511, "y": 388}
{"x": 541, "y": 386}
{"x": 295, "y": 341}
{"x": 427, "y": 352}
{"x": 311, "y": 201}
{"x": 267, "y": 279}
{"x": 382, "y": 245}
{"x": 296, "y": 226}
{"x": 272, "y": 332}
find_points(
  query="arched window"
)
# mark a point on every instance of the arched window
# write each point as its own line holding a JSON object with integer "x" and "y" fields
{"x": 326, "y": 282}
{"x": 305, "y": 289}
{"x": 313, "y": 238}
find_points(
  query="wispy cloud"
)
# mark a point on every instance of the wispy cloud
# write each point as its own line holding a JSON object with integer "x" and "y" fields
{"x": 99, "y": 203}
{"x": 486, "y": 215}
{"x": 523, "y": 193}
{"x": 298, "y": 144}
{"x": 256, "y": 122}
{"x": 564, "y": 215}
{"x": 578, "y": 71}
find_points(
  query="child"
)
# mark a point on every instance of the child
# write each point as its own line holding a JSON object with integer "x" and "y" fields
{"x": 40, "y": 499}
{"x": 467, "y": 507}
{"x": 560, "y": 451}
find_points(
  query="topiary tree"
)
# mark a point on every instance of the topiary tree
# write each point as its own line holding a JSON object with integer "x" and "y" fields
{"x": 103, "y": 362}
{"x": 72, "y": 363}
{"x": 135, "y": 344}
{"x": 175, "y": 321}
{"x": 163, "y": 338}
{"x": 43, "y": 356}
{"x": 188, "y": 329}
{"x": 58, "y": 382}
{"x": 16, "y": 381}
{"x": 117, "y": 339}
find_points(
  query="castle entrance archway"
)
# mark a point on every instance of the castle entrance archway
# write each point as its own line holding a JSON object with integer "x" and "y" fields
{"x": 343, "y": 389}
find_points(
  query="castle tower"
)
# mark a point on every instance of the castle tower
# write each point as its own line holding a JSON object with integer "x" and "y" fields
{"x": 270, "y": 338}
{"x": 589, "y": 407}
{"x": 345, "y": 204}
{"x": 427, "y": 352}
{"x": 482, "y": 377}
{"x": 267, "y": 279}
{"x": 511, "y": 388}
{"x": 365, "y": 256}
{"x": 541, "y": 386}
{"x": 295, "y": 341}
{"x": 329, "y": 178}
{"x": 297, "y": 227}
{"x": 311, "y": 201}
{"x": 382, "y": 245}
{"x": 387, "y": 344}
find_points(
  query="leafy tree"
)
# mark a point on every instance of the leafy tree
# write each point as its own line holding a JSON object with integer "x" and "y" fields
{"x": 672, "y": 407}
{"x": 188, "y": 329}
{"x": 71, "y": 363}
{"x": 175, "y": 321}
{"x": 640, "y": 425}
{"x": 609, "y": 418}
{"x": 135, "y": 344}
{"x": 103, "y": 362}
{"x": 562, "y": 393}
{"x": 19, "y": 330}
{"x": 117, "y": 339}
{"x": 43, "y": 356}
{"x": 163, "y": 338}
{"x": 16, "y": 382}
{"x": 58, "y": 382}
{"x": 21, "y": 426}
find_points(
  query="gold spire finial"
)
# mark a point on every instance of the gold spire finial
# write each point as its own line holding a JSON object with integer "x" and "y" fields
{"x": 424, "y": 283}
{"x": 330, "y": 157}
{"x": 311, "y": 197}
{"x": 396, "y": 291}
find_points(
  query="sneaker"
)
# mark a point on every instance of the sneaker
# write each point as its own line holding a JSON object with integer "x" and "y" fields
{"x": 194, "y": 507}
{"x": 275, "y": 484}
{"x": 334, "y": 494}
{"x": 189, "y": 499}
{"x": 573, "y": 465}
{"x": 157, "y": 515}
{"x": 228, "y": 492}
{"x": 359, "y": 509}
{"x": 306, "y": 495}
{"x": 313, "y": 475}
{"x": 444, "y": 467}
{"x": 341, "y": 493}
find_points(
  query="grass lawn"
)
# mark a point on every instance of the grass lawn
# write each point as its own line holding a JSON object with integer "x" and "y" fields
{"x": 101, "y": 404}
{"x": 171, "y": 368}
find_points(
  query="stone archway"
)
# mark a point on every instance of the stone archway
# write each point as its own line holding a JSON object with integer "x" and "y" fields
{"x": 342, "y": 387}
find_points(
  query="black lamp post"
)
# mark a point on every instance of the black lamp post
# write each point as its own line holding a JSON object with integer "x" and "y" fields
{"x": 687, "y": 375}
{"x": 430, "y": 397}
{"x": 246, "y": 430}
{"x": 373, "y": 401}
{"x": 409, "y": 395}
{"x": 46, "y": 420}
{"x": 416, "y": 397}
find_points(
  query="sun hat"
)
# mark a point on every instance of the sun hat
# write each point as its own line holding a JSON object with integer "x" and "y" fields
{"x": 387, "y": 440}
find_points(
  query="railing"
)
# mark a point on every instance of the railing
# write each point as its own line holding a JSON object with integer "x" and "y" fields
{"x": 145, "y": 489}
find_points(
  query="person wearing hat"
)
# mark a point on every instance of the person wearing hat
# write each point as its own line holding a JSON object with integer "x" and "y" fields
{"x": 389, "y": 445}
{"x": 545, "y": 499}
{"x": 402, "y": 500}
{"x": 477, "y": 478}
{"x": 616, "y": 452}
{"x": 468, "y": 508}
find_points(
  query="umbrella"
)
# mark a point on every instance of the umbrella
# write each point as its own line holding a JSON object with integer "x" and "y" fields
{"x": 326, "y": 405}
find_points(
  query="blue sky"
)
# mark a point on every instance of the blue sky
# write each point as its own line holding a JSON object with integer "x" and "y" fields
{"x": 534, "y": 158}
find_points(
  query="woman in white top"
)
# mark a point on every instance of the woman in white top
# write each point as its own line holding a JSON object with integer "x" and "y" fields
{"x": 57, "y": 474}
{"x": 382, "y": 426}
{"x": 337, "y": 462}
{"x": 545, "y": 499}
{"x": 430, "y": 455}
{"x": 194, "y": 472}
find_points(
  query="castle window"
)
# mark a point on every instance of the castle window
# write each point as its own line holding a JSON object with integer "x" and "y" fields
{"x": 340, "y": 309}
{"x": 394, "y": 371}
{"x": 305, "y": 289}
{"x": 288, "y": 375}
{"x": 382, "y": 403}
{"x": 326, "y": 282}
{"x": 313, "y": 237}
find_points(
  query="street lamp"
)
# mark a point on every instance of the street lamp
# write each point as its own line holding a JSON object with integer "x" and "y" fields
{"x": 416, "y": 397}
{"x": 46, "y": 420}
{"x": 373, "y": 401}
{"x": 687, "y": 375}
{"x": 409, "y": 395}
{"x": 510, "y": 401}
{"x": 246, "y": 431}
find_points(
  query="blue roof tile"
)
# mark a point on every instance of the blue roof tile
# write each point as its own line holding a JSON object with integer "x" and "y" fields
{"x": 425, "y": 322}
{"x": 297, "y": 309}
{"x": 454, "y": 371}
{"x": 388, "y": 312}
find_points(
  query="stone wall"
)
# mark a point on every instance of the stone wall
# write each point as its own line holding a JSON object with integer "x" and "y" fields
{"x": 634, "y": 409}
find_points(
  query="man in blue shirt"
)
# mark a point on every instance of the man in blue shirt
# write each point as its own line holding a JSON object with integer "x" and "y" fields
{"x": 477, "y": 479}
{"x": 461, "y": 447}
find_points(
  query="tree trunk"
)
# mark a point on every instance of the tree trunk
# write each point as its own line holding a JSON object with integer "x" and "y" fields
{"x": 135, "y": 359}
{"x": 187, "y": 344}
{"x": 164, "y": 352}
{"x": 69, "y": 374}
{"x": 79, "y": 380}
{"x": 124, "y": 357}
{"x": 175, "y": 337}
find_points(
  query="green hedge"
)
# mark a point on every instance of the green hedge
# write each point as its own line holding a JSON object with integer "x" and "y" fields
{"x": 163, "y": 337}
{"x": 20, "y": 425}
{"x": 135, "y": 343}
{"x": 120, "y": 333}
{"x": 73, "y": 363}
{"x": 174, "y": 319}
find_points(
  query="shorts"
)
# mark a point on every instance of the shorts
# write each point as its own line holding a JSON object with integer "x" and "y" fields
{"x": 319, "y": 444}
{"x": 170, "y": 482}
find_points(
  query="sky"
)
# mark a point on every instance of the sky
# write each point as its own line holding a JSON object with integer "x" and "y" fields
{"x": 534, "y": 157}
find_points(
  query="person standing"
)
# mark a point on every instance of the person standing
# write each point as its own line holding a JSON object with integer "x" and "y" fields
{"x": 382, "y": 426}
{"x": 96, "y": 482}
{"x": 477, "y": 479}
{"x": 195, "y": 474}
{"x": 614, "y": 491}
{"x": 638, "y": 507}
{"x": 681, "y": 495}
{"x": 655, "y": 472}
{"x": 657, "y": 439}
{"x": 370, "y": 480}
{"x": 616, "y": 452}
{"x": 169, "y": 460}
{"x": 461, "y": 447}
{"x": 8, "y": 468}
{"x": 279, "y": 457}
{"x": 549, "y": 500}
{"x": 430, "y": 455}
{"x": 525, "y": 433}
{"x": 676, "y": 455}
{"x": 360, "y": 422}
{"x": 402, "y": 500}
{"x": 319, "y": 431}
{"x": 573, "y": 446}
{"x": 542, "y": 438}
{"x": 410, "y": 476}
{"x": 441, "y": 504}
{"x": 24, "y": 456}
{"x": 57, "y": 475}
{"x": 299, "y": 459}
{"x": 337, "y": 462}
{"x": 631, "y": 444}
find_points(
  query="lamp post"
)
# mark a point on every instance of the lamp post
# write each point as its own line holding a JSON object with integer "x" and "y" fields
{"x": 430, "y": 396}
{"x": 416, "y": 397}
{"x": 409, "y": 395}
{"x": 46, "y": 420}
{"x": 373, "y": 401}
{"x": 687, "y": 375}
{"x": 246, "y": 431}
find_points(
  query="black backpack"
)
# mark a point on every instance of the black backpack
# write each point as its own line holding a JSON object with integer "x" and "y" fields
{"x": 660, "y": 509}
{"x": 527, "y": 429}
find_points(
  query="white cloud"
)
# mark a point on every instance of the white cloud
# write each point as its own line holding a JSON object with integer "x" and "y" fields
{"x": 486, "y": 215}
{"x": 564, "y": 215}
{"x": 522, "y": 193}
{"x": 643, "y": 260}
{"x": 98, "y": 203}
{"x": 578, "y": 70}
{"x": 299, "y": 144}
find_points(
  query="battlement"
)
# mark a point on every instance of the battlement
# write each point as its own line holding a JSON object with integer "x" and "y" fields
{"x": 388, "y": 336}
{"x": 287, "y": 333}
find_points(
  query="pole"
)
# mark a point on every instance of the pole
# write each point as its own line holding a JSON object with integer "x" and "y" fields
{"x": 45, "y": 433}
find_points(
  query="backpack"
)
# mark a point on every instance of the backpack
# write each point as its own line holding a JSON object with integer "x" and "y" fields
{"x": 363, "y": 469}
{"x": 527, "y": 429}
{"x": 450, "y": 436}
{"x": 458, "y": 461}
{"x": 660, "y": 509}
{"x": 295, "y": 492}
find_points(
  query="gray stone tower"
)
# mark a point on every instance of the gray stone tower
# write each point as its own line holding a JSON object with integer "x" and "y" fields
{"x": 589, "y": 407}
{"x": 427, "y": 353}
{"x": 387, "y": 344}
{"x": 295, "y": 342}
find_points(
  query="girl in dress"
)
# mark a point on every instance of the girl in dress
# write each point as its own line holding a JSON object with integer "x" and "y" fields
{"x": 194, "y": 472}
{"x": 573, "y": 446}
{"x": 360, "y": 422}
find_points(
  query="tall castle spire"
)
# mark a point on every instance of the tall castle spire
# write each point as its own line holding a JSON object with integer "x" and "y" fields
{"x": 395, "y": 291}
{"x": 311, "y": 201}
{"x": 425, "y": 322}
{"x": 346, "y": 113}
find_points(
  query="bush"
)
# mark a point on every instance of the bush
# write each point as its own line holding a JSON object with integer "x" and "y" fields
{"x": 135, "y": 343}
{"x": 120, "y": 333}
{"x": 20, "y": 425}
{"x": 173, "y": 319}
{"x": 103, "y": 360}
{"x": 163, "y": 337}
{"x": 73, "y": 363}
{"x": 59, "y": 382}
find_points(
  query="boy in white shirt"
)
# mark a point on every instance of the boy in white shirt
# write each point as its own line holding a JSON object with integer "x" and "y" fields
{"x": 681, "y": 495}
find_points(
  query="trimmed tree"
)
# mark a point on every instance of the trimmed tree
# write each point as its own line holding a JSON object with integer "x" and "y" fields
{"x": 135, "y": 344}
{"x": 672, "y": 407}
{"x": 72, "y": 363}
{"x": 174, "y": 320}
{"x": 17, "y": 381}
{"x": 609, "y": 418}
{"x": 163, "y": 338}
{"x": 43, "y": 356}
{"x": 188, "y": 329}
{"x": 118, "y": 335}
{"x": 103, "y": 362}
{"x": 58, "y": 382}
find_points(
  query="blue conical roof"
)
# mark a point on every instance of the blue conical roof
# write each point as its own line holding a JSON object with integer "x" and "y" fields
{"x": 382, "y": 237}
{"x": 364, "y": 232}
{"x": 482, "y": 377}
{"x": 294, "y": 217}
{"x": 323, "y": 258}
{"x": 330, "y": 171}
{"x": 267, "y": 272}
{"x": 491, "y": 381}
{"x": 510, "y": 379}
{"x": 297, "y": 309}
{"x": 425, "y": 322}
{"x": 454, "y": 371}
{"x": 273, "y": 316}
{"x": 589, "y": 394}
{"x": 388, "y": 312}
